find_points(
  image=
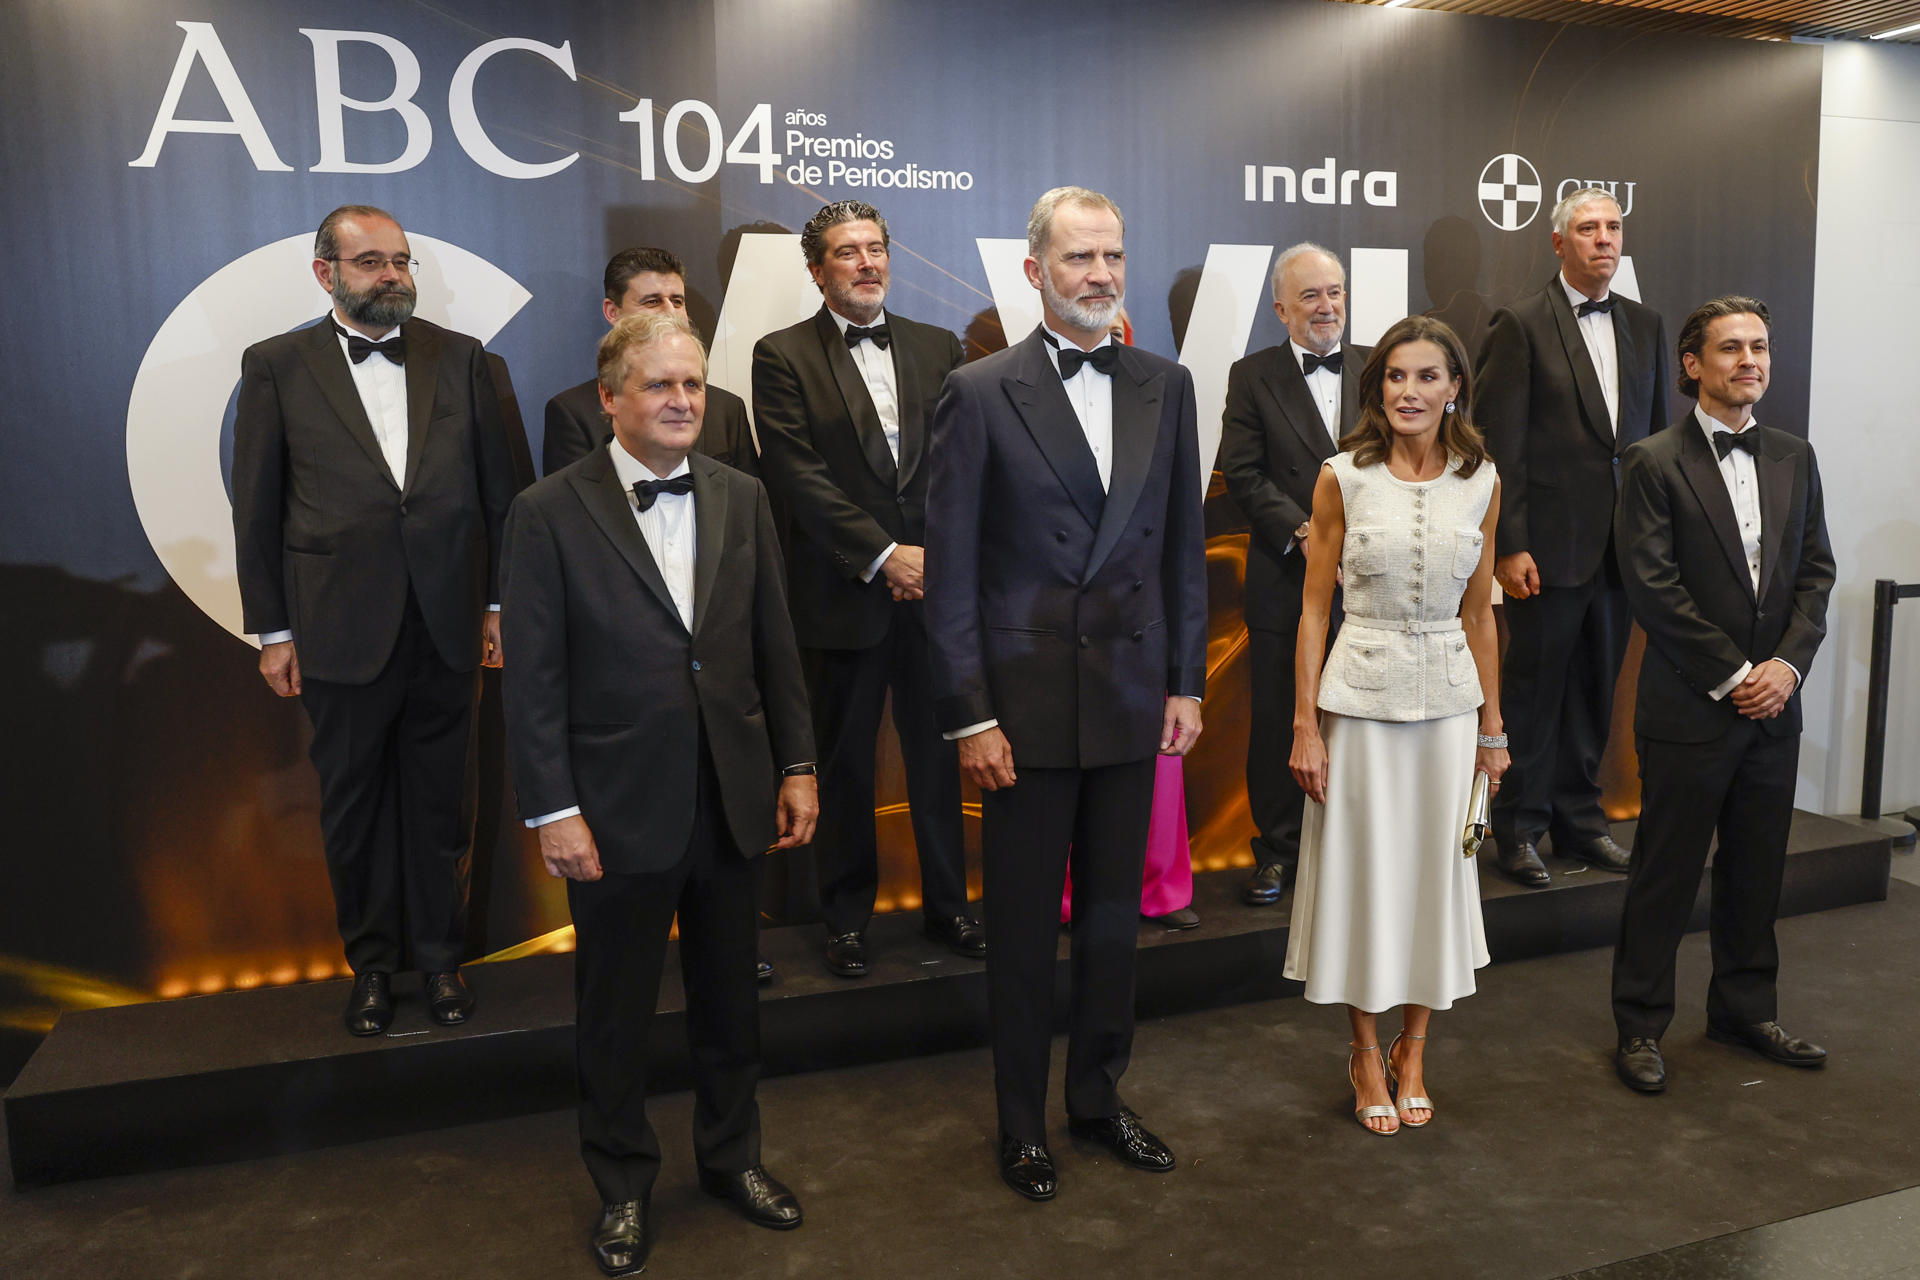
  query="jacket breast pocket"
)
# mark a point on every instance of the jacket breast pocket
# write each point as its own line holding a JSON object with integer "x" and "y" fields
{"x": 1466, "y": 551}
{"x": 1366, "y": 664}
{"x": 1460, "y": 669}
{"x": 1365, "y": 551}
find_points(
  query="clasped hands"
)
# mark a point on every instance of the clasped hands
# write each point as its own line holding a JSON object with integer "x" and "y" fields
{"x": 1764, "y": 693}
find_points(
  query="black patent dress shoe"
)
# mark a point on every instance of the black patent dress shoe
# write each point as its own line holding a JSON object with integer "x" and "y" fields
{"x": 847, "y": 954}
{"x": 1769, "y": 1040}
{"x": 1267, "y": 884}
{"x": 1127, "y": 1138}
{"x": 1027, "y": 1168}
{"x": 963, "y": 935}
{"x": 1602, "y": 853}
{"x": 763, "y": 1198}
{"x": 1181, "y": 918}
{"x": 1520, "y": 863}
{"x": 1638, "y": 1063}
{"x": 448, "y": 999}
{"x": 623, "y": 1238}
{"x": 370, "y": 1006}
{"x": 762, "y": 970}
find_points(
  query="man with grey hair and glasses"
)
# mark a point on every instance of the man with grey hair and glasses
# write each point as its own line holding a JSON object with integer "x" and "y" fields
{"x": 1567, "y": 378}
{"x": 1067, "y": 605}
{"x": 1287, "y": 408}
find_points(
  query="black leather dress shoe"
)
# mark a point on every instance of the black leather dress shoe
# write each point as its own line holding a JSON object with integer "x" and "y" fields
{"x": 1127, "y": 1138}
{"x": 1027, "y": 1168}
{"x": 963, "y": 935}
{"x": 1602, "y": 853}
{"x": 623, "y": 1238}
{"x": 1639, "y": 1065}
{"x": 1181, "y": 918}
{"x": 847, "y": 954}
{"x": 756, "y": 1193}
{"x": 448, "y": 999}
{"x": 370, "y": 1006}
{"x": 1267, "y": 884}
{"x": 1520, "y": 863}
{"x": 1769, "y": 1040}
{"x": 762, "y": 970}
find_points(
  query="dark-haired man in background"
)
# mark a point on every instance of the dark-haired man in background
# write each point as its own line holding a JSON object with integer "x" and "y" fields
{"x": 1723, "y": 545}
{"x": 843, "y": 401}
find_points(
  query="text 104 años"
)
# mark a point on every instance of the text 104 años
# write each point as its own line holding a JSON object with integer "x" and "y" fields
{"x": 751, "y": 145}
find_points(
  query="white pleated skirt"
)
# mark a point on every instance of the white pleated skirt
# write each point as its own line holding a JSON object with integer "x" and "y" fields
{"x": 1386, "y": 912}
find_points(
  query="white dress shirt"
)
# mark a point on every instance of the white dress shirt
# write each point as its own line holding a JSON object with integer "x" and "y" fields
{"x": 1596, "y": 330}
{"x": 382, "y": 385}
{"x": 668, "y": 529}
{"x": 1324, "y": 385}
{"x": 876, "y": 370}
{"x": 1743, "y": 487}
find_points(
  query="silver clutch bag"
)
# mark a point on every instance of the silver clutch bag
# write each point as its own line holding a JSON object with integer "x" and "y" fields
{"x": 1476, "y": 832}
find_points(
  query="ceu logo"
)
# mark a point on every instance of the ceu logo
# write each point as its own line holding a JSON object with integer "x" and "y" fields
{"x": 190, "y": 369}
{"x": 1509, "y": 191}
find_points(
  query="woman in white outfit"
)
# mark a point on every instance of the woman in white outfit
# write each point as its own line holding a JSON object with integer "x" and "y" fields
{"x": 1390, "y": 725}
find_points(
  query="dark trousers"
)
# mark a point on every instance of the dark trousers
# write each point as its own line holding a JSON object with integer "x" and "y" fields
{"x": 396, "y": 765}
{"x": 849, "y": 689}
{"x": 1273, "y": 797}
{"x": 1740, "y": 787}
{"x": 621, "y": 924}
{"x": 1027, "y": 830}
{"x": 1564, "y": 649}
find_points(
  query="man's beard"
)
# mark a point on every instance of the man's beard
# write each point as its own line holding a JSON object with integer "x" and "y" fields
{"x": 379, "y": 307}
{"x": 1088, "y": 317}
{"x": 843, "y": 300}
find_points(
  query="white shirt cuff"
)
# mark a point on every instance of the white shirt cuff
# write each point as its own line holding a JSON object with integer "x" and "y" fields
{"x": 867, "y": 574}
{"x": 1789, "y": 666}
{"x": 1727, "y": 686}
{"x": 541, "y": 821}
{"x": 275, "y": 637}
{"x": 493, "y": 608}
{"x": 1187, "y": 696}
{"x": 970, "y": 730}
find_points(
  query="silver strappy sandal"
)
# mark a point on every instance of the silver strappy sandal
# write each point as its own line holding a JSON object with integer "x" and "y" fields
{"x": 1413, "y": 1102}
{"x": 1364, "y": 1114}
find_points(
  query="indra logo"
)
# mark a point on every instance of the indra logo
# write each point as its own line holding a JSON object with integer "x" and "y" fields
{"x": 180, "y": 395}
{"x": 1509, "y": 191}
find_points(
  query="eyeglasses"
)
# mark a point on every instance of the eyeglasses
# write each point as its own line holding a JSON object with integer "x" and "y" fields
{"x": 373, "y": 262}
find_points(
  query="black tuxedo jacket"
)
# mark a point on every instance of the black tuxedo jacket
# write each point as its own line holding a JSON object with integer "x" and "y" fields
{"x": 576, "y": 427}
{"x": 1686, "y": 577}
{"x": 1539, "y": 402}
{"x": 608, "y": 695}
{"x": 1067, "y": 614}
{"x": 328, "y": 545}
{"x": 1272, "y": 442}
{"x": 827, "y": 465}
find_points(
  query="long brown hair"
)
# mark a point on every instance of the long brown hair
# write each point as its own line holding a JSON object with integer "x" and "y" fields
{"x": 1372, "y": 436}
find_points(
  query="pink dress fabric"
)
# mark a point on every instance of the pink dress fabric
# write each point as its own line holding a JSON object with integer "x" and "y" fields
{"x": 1168, "y": 882}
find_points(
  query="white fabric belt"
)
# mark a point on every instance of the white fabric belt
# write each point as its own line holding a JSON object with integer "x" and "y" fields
{"x": 1413, "y": 626}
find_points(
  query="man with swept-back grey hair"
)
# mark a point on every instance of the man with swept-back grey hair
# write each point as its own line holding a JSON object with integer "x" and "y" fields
{"x": 1568, "y": 377}
{"x": 1287, "y": 407}
{"x": 1069, "y": 635}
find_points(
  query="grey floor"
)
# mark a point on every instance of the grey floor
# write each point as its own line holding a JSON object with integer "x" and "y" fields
{"x": 1538, "y": 1165}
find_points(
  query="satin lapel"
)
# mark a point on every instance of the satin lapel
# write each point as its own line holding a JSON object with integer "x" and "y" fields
{"x": 599, "y": 489}
{"x": 1043, "y": 406}
{"x": 1585, "y": 380}
{"x": 853, "y": 389}
{"x": 1349, "y": 392}
{"x": 1289, "y": 387}
{"x": 1773, "y": 472}
{"x": 330, "y": 370}
{"x": 1136, "y": 428}
{"x": 423, "y": 374}
{"x": 1627, "y": 354}
{"x": 1702, "y": 471}
{"x": 709, "y": 532}
{"x": 907, "y": 375}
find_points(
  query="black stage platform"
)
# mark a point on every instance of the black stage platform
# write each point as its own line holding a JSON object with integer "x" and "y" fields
{"x": 256, "y": 1073}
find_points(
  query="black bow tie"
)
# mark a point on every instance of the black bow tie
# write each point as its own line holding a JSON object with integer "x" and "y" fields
{"x": 856, "y": 335}
{"x": 1310, "y": 362}
{"x": 1592, "y": 305}
{"x": 1725, "y": 442}
{"x": 1103, "y": 359}
{"x": 359, "y": 348}
{"x": 645, "y": 491}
